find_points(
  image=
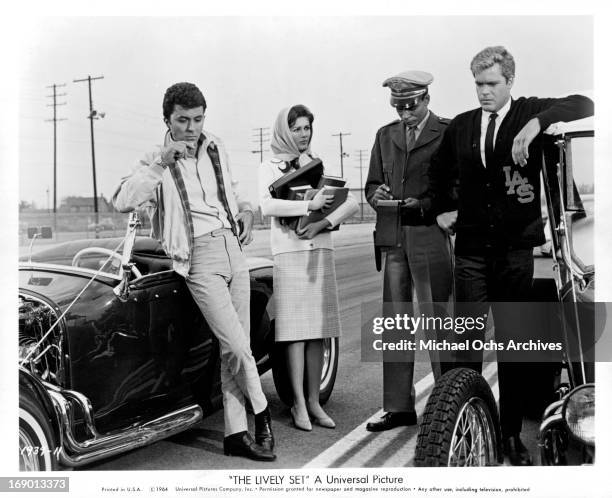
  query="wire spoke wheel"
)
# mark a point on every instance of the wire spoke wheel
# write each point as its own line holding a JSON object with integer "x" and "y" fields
{"x": 460, "y": 425}
{"x": 472, "y": 440}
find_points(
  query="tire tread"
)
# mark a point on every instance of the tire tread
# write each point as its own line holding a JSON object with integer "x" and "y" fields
{"x": 441, "y": 412}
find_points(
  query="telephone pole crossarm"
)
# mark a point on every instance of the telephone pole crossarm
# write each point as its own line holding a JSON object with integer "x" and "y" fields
{"x": 342, "y": 153}
{"x": 259, "y": 136}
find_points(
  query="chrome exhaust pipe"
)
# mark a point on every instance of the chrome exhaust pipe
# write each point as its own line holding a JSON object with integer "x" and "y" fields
{"x": 74, "y": 453}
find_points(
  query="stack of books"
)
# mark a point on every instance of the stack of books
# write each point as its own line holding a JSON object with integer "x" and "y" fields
{"x": 306, "y": 176}
{"x": 339, "y": 193}
{"x": 302, "y": 185}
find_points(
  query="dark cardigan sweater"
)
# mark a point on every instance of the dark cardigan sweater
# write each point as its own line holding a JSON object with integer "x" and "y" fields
{"x": 498, "y": 206}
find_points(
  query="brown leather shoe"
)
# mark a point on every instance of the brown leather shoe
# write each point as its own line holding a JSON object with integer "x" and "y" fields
{"x": 390, "y": 420}
{"x": 516, "y": 452}
{"x": 243, "y": 444}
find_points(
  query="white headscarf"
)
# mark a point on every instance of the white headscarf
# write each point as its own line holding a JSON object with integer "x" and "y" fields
{"x": 283, "y": 144}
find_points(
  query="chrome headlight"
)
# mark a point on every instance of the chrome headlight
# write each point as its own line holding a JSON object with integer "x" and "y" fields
{"x": 579, "y": 413}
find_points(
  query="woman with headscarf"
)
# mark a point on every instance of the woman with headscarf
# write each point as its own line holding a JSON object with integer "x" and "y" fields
{"x": 305, "y": 291}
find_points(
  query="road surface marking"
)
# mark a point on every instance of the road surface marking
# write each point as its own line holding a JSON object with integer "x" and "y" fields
{"x": 360, "y": 447}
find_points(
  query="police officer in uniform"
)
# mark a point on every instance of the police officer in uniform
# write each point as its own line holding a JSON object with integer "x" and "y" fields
{"x": 420, "y": 266}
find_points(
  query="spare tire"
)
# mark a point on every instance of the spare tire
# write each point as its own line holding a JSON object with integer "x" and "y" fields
{"x": 460, "y": 426}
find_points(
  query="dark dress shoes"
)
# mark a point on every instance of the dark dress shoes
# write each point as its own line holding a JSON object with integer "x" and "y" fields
{"x": 263, "y": 430}
{"x": 516, "y": 451}
{"x": 391, "y": 420}
{"x": 243, "y": 444}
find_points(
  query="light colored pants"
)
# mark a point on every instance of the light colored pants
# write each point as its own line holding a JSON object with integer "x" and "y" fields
{"x": 219, "y": 283}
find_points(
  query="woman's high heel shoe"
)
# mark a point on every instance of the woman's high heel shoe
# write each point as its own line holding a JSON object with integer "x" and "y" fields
{"x": 301, "y": 423}
{"x": 324, "y": 421}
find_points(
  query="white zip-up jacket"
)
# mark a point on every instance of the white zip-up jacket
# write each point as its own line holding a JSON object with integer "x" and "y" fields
{"x": 150, "y": 186}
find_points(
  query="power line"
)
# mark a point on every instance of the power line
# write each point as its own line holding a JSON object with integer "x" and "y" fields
{"x": 342, "y": 153}
{"x": 361, "y": 153}
{"x": 93, "y": 114}
{"x": 55, "y": 120}
{"x": 261, "y": 137}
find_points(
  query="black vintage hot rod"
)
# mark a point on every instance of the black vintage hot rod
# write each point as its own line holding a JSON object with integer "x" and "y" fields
{"x": 114, "y": 354}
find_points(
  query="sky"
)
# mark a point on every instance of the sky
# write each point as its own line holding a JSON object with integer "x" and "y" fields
{"x": 249, "y": 68}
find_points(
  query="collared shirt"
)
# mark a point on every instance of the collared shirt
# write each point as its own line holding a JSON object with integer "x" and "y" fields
{"x": 150, "y": 185}
{"x": 484, "y": 124}
{"x": 419, "y": 127}
{"x": 207, "y": 210}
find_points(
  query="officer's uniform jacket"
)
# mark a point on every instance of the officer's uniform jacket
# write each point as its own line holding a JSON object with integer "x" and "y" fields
{"x": 420, "y": 266}
{"x": 406, "y": 174}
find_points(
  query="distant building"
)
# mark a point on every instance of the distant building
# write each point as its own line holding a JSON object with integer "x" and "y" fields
{"x": 74, "y": 204}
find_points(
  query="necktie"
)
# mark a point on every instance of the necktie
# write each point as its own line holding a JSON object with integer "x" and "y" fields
{"x": 410, "y": 137}
{"x": 489, "y": 140}
{"x": 213, "y": 153}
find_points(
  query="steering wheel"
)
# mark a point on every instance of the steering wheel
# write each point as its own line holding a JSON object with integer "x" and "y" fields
{"x": 108, "y": 252}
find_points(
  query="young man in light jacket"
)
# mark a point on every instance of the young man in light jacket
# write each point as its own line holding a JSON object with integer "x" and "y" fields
{"x": 197, "y": 214}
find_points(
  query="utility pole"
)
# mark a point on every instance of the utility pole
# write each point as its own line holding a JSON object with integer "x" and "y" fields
{"x": 93, "y": 115}
{"x": 55, "y": 120}
{"x": 342, "y": 153}
{"x": 361, "y": 153}
{"x": 260, "y": 136}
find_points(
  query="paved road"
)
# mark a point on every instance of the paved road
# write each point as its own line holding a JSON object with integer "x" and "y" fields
{"x": 355, "y": 400}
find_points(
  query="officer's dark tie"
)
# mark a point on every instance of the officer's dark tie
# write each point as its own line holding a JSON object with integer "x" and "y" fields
{"x": 410, "y": 137}
{"x": 489, "y": 139}
{"x": 213, "y": 153}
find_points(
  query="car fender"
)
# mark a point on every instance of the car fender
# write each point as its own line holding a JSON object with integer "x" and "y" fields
{"x": 30, "y": 383}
